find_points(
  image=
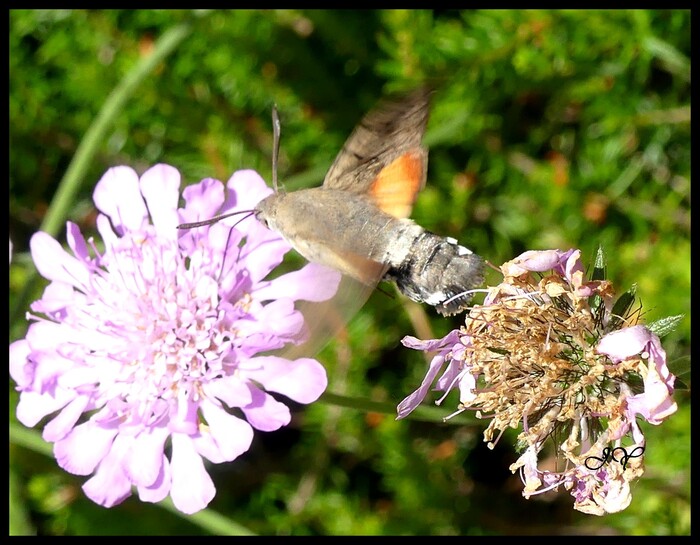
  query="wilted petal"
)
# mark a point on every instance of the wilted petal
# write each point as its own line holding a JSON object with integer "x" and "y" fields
{"x": 432, "y": 345}
{"x": 624, "y": 343}
{"x": 655, "y": 404}
{"x": 535, "y": 261}
{"x": 467, "y": 389}
{"x": 407, "y": 406}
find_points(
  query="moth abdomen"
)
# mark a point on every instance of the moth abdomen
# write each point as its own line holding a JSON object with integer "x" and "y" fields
{"x": 438, "y": 271}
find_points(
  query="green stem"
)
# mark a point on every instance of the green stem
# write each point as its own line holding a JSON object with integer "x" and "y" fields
{"x": 70, "y": 183}
{"x": 94, "y": 137}
{"x": 29, "y": 439}
{"x": 211, "y": 521}
{"x": 424, "y": 413}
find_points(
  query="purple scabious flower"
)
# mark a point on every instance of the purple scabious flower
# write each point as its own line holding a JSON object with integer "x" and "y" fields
{"x": 552, "y": 353}
{"x": 151, "y": 355}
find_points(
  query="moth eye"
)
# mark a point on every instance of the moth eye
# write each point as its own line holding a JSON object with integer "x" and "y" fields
{"x": 262, "y": 219}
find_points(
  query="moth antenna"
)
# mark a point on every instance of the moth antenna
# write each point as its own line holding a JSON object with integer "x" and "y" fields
{"x": 275, "y": 144}
{"x": 215, "y": 219}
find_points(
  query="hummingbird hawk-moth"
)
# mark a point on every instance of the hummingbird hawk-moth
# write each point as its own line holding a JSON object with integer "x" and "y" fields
{"x": 357, "y": 221}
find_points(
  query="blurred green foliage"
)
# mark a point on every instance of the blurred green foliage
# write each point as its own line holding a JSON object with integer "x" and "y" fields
{"x": 549, "y": 129}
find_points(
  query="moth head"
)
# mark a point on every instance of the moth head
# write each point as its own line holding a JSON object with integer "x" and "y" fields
{"x": 266, "y": 210}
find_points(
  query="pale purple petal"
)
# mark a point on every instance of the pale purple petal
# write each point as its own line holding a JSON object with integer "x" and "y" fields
{"x": 56, "y": 297}
{"x": 104, "y": 227}
{"x": 71, "y": 452}
{"x": 302, "y": 380}
{"x": 264, "y": 254}
{"x": 21, "y": 367}
{"x": 192, "y": 488}
{"x": 249, "y": 188}
{"x": 62, "y": 424}
{"x": 44, "y": 335}
{"x": 232, "y": 435}
{"x": 183, "y": 415}
{"x": 161, "y": 486}
{"x": 54, "y": 263}
{"x": 33, "y": 406}
{"x": 312, "y": 283}
{"x": 110, "y": 485}
{"x": 624, "y": 343}
{"x": 143, "y": 463}
{"x": 277, "y": 319}
{"x": 206, "y": 446}
{"x": 118, "y": 196}
{"x": 265, "y": 413}
{"x": 160, "y": 186}
{"x": 231, "y": 390}
{"x": 202, "y": 200}
{"x": 76, "y": 241}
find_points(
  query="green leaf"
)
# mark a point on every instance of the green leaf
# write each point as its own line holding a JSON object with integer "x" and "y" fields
{"x": 665, "y": 325}
{"x": 621, "y": 308}
{"x": 599, "y": 265}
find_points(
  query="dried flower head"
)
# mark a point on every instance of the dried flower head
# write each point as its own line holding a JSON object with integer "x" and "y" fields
{"x": 550, "y": 351}
{"x": 148, "y": 356}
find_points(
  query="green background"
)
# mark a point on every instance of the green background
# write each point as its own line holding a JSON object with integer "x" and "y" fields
{"x": 549, "y": 129}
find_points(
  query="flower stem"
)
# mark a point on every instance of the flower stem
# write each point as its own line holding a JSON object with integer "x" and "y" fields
{"x": 423, "y": 413}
